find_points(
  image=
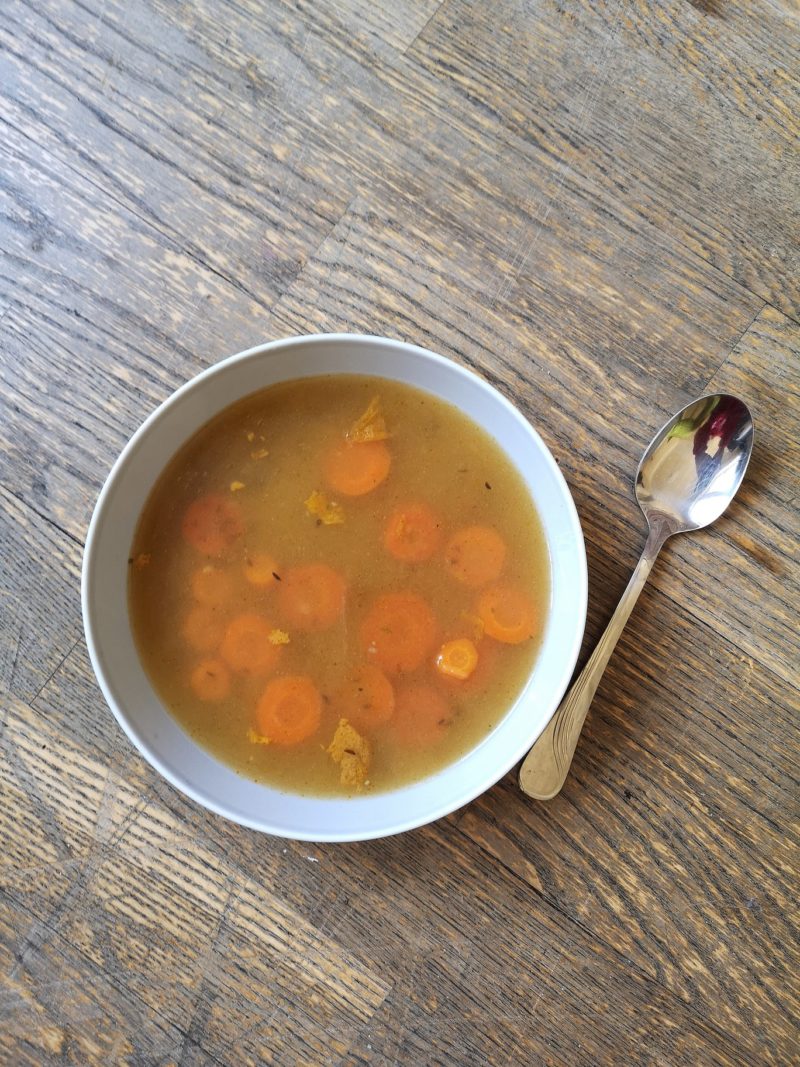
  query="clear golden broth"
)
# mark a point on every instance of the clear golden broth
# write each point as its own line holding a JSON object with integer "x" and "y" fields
{"x": 438, "y": 455}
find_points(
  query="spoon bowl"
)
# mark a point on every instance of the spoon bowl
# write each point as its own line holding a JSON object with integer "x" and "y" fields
{"x": 694, "y": 465}
{"x": 688, "y": 475}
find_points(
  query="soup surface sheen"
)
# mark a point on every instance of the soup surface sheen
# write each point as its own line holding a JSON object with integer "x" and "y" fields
{"x": 339, "y": 584}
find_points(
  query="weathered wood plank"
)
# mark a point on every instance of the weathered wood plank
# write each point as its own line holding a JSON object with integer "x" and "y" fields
{"x": 152, "y": 890}
{"x": 660, "y": 769}
{"x": 36, "y": 631}
{"x": 364, "y": 22}
{"x": 574, "y": 307}
{"x": 681, "y": 815}
{"x": 742, "y": 52}
{"x": 106, "y": 317}
{"x": 753, "y": 547}
{"x": 58, "y": 1008}
{"x": 588, "y": 203}
{"x": 390, "y": 123}
{"x": 126, "y": 884}
{"x": 139, "y": 105}
{"x": 677, "y": 116}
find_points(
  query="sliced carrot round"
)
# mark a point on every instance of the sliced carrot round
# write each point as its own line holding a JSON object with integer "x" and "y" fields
{"x": 211, "y": 585}
{"x": 311, "y": 597}
{"x": 475, "y": 555}
{"x": 246, "y": 646}
{"x": 413, "y": 533}
{"x": 356, "y": 469}
{"x": 289, "y": 711}
{"x": 366, "y": 699}
{"x": 398, "y": 632}
{"x": 212, "y": 524}
{"x": 210, "y": 681}
{"x": 203, "y": 628}
{"x": 457, "y": 659}
{"x": 260, "y": 569}
{"x": 489, "y": 654}
{"x": 508, "y": 614}
{"x": 422, "y": 715}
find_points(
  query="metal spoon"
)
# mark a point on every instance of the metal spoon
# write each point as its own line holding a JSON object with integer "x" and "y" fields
{"x": 686, "y": 478}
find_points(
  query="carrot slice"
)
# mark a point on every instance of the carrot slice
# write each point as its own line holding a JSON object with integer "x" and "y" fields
{"x": 356, "y": 469}
{"x": 508, "y": 614}
{"x": 422, "y": 715}
{"x": 413, "y": 533}
{"x": 489, "y": 655}
{"x": 211, "y": 586}
{"x": 247, "y": 647}
{"x": 475, "y": 555}
{"x": 366, "y": 699}
{"x": 210, "y": 681}
{"x": 289, "y": 711}
{"x": 311, "y": 597}
{"x": 212, "y": 524}
{"x": 203, "y": 628}
{"x": 398, "y": 632}
{"x": 259, "y": 569}
{"x": 457, "y": 659}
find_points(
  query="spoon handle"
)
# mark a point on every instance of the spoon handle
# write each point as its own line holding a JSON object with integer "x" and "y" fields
{"x": 546, "y": 766}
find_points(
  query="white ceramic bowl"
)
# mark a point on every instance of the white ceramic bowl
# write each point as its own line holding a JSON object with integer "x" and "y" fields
{"x": 128, "y": 690}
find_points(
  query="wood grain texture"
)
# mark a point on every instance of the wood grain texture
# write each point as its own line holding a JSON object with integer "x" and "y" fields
{"x": 38, "y": 631}
{"x": 593, "y": 206}
{"x": 754, "y": 549}
{"x": 687, "y": 114}
{"x": 145, "y": 900}
{"x": 655, "y": 851}
{"x": 92, "y": 286}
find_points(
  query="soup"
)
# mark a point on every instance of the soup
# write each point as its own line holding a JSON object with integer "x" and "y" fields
{"x": 339, "y": 584}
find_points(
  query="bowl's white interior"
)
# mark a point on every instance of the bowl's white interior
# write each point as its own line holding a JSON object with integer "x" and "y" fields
{"x": 126, "y": 686}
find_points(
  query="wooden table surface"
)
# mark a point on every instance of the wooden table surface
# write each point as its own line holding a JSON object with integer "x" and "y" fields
{"x": 595, "y": 206}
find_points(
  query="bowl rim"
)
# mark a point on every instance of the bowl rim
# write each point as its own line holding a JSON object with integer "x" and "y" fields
{"x": 177, "y": 777}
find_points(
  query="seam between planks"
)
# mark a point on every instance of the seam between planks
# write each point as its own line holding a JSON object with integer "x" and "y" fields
{"x": 739, "y": 340}
{"x": 790, "y": 318}
{"x": 79, "y": 542}
{"x": 439, "y": 8}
